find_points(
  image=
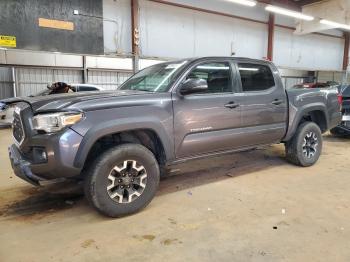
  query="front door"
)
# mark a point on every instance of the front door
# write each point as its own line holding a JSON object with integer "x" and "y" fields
{"x": 207, "y": 122}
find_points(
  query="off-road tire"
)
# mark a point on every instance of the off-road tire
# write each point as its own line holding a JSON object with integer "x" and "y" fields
{"x": 294, "y": 147}
{"x": 96, "y": 182}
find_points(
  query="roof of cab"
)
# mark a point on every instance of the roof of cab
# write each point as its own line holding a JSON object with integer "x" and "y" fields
{"x": 245, "y": 59}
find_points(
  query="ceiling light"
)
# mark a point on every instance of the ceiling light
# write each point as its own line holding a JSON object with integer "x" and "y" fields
{"x": 248, "y": 69}
{"x": 335, "y": 24}
{"x": 287, "y": 12}
{"x": 243, "y": 2}
{"x": 213, "y": 67}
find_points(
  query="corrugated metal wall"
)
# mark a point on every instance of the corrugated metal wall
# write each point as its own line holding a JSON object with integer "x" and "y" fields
{"x": 109, "y": 80}
{"x": 324, "y": 76}
{"x": 33, "y": 80}
{"x": 289, "y": 82}
{"x": 6, "y": 83}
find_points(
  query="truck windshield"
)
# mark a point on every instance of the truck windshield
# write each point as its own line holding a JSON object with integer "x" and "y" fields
{"x": 156, "y": 78}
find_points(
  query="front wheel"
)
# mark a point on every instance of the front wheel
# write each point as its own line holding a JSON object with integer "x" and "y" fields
{"x": 123, "y": 180}
{"x": 305, "y": 147}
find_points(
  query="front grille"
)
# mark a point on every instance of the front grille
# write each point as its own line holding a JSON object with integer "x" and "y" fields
{"x": 18, "y": 130}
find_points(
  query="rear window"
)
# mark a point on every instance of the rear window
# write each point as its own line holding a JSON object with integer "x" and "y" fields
{"x": 255, "y": 77}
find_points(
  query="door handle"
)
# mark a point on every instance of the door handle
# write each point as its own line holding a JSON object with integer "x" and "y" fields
{"x": 231, "y": 105}
{"x": 277, "y": 102}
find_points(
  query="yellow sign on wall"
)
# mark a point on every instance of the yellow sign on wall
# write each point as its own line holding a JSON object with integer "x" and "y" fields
{"x": 57, "y": 24}
{"x": 8, "y": 41}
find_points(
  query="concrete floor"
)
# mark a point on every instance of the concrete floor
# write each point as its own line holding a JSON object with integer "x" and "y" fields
{"x": 244, "y": 207}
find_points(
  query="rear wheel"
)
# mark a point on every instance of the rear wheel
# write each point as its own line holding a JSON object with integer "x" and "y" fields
{"x": 123, "y": 180}
{"x": 304, "y": 149}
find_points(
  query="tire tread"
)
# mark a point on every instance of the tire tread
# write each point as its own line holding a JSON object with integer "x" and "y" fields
{"x": 92, "y": 174}
{"x": 291, "y": 146}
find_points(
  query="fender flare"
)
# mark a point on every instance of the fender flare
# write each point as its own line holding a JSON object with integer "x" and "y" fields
{"x": 299, "y": 113}
{"x": 129, "y": 124}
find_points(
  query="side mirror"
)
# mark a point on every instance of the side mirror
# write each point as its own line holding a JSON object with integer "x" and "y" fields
{"x": 191, "y": 86}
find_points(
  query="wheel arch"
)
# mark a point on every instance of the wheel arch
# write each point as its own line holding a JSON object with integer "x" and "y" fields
{"x": 314, "y": 113}
{"x": 152, "y": 135}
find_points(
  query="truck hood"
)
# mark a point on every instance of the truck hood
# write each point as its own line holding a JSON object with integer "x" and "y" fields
{"x": 61, "y": 102}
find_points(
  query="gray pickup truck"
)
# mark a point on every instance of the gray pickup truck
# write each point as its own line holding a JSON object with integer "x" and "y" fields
{"x": 121, "y": 142}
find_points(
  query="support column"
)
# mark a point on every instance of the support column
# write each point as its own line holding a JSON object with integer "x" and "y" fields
{"x": 271, "y": 35}
{"x": 14, "y": 81}
{"x": 135, "y": 34}
{"x": 85, "y": 71}
{"x": 346, "y": 50}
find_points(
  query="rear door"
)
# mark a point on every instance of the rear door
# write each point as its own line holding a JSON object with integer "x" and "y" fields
{"x": 264, "y": 108}
{"x": 208, "y": 122}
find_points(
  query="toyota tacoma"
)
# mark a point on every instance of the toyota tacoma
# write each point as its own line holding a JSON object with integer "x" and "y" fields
{"x": 121, "y": 142}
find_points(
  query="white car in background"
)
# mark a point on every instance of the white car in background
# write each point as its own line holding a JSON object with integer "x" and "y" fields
{"x": 6, "y": 115}
{"x": 6, "y": 112}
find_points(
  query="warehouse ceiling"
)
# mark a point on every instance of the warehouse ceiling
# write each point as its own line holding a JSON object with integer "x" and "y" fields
{"x": 326, "y": 14}
{"x": 329, "y": 14}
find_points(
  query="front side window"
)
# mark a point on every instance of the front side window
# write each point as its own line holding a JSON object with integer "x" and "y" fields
{"x": 155, "y": 78}
{"x": 255, "y": 77}
{"x": 217, "y": 75}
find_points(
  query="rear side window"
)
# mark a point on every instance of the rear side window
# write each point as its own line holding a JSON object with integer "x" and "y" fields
{"x": 255, "y": 77}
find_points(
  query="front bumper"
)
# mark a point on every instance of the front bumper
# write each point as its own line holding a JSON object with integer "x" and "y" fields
{"x": 21, "y": 167}
{"x": 57, "y": 164}
{"x": 343, "y": 128}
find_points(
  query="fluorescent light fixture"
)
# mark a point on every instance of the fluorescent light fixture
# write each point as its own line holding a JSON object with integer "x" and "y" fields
{"x": 213, "y": 67}
{"x": 243, "y": 2}
{"x": 335, "y": 24}
{"x": 248, "y": 69}
{"x": 288, "y": 12}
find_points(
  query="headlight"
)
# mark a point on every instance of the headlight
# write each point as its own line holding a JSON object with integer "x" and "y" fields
{"x": 56, "y": 121}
